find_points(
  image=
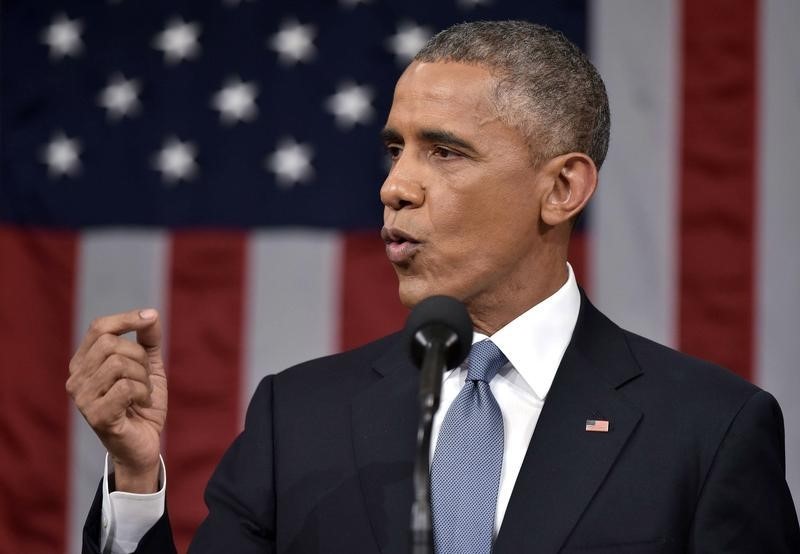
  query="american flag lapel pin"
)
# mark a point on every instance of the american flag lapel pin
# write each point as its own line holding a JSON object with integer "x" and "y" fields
{"x": 597, "y": 425}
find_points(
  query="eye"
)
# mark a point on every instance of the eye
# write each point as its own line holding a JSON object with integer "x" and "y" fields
{"x": 393, "y": 151}
{"x": 445, "y": 153}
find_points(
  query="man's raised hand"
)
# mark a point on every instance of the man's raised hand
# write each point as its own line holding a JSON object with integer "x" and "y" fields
{"x": 120, "y": 387}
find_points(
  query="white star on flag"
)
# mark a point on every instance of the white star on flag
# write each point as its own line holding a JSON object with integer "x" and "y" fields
{"x": 176, "y": 160}
{"x": 351, "y": 105}
{"x": 409, "y": 39}
{"x": 291, "y": 162}
{"x": 120, "y": 97}
{"x": 294, "y": 42}
{"x": 236, "y": 101}
{"x": 62, "y": 155}
{"x": 178, "y": 41}
{"x": 63, "y": 36}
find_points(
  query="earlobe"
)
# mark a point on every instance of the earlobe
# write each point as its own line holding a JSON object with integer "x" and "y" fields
{"x": 572, "y": 183}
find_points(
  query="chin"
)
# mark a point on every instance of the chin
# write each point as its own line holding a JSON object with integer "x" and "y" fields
{"x": 413, "y": 290}
{"x": 410, "y": 296}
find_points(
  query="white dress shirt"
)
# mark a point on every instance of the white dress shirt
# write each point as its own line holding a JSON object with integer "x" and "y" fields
{"x": 534, "y": 344}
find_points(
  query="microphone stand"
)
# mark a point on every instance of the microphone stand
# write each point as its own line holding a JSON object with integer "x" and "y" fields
{"x": 433, "y": 365}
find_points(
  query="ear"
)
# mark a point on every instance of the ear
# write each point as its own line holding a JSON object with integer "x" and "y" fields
{"x": 571, "y": 181}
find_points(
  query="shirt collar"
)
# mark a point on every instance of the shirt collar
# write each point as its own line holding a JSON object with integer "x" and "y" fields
{"x": 536, "y": 340}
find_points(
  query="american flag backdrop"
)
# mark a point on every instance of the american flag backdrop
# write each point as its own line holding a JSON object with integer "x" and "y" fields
{"x": 219, "y": 160}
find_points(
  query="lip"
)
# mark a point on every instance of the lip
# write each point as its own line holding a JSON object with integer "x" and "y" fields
{"x": 400, "y": 246}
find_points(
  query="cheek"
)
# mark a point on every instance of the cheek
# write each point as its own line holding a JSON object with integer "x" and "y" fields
{"x": 486, "y": 214}
{"x": 485, "y": 234}
{"x": 456, "y": 230}
{"x": 457, "y": 209}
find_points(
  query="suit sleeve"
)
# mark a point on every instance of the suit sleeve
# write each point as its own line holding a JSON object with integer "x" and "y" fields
{"x": 241, "y": 494}
{"x": 745, "y": 504}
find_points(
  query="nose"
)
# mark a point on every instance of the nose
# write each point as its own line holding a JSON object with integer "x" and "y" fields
{"x": 401, "y": 190}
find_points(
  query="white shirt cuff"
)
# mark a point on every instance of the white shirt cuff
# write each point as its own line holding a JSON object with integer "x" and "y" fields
{"x": 127, "y": 516}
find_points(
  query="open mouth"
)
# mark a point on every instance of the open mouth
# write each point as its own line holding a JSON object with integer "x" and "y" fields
{"x": 400, "y": 246}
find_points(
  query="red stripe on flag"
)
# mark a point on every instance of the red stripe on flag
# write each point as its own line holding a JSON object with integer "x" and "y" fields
{"x": 718, "y": 181}
{"x": 205, "y": 364}
{"x": 370, "y": 306}
{"x": 36, "y": 291}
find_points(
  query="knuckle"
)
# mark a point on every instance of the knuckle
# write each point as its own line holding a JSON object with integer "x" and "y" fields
{"x": 128, "y": 389}
{"x": 82, "y": 399}
{"x": 116, "y": 362}
{"x": 96, "y": 326}
{"x": 73, "y": 384}
{"x": 105, "y": 342}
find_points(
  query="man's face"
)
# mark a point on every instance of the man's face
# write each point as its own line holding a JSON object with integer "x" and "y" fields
{"x": 461, "y": 200}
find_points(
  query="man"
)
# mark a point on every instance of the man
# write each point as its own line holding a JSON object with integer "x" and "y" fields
{"x": 580, "y": 436}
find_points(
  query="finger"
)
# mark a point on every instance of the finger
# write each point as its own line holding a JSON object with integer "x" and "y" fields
{"x": 126, "y": 392}
{"x": 118, "y": 367}
{"x": 149, "y": 335}
{"x": 117, "y": 324}
{"x": 108, "y": 344}
{"x": 113, "y": 369}
{"x": 105, "y": 410}
{"x": 83, "y": 384}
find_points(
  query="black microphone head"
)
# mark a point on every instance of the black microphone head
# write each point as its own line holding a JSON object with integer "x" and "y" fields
{"x": 444, "y": 319}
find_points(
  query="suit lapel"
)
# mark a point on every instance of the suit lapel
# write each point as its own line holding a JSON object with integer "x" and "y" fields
{"x": 565, "y": 464}
{"x": 384, "y": 420}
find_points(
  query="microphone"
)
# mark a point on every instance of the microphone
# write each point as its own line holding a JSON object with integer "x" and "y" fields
{"x": 439, "y": 319}
{"x": 439, "y": 334}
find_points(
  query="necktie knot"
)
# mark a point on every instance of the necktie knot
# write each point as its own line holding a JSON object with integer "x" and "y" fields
{"x": 484, "y": 361}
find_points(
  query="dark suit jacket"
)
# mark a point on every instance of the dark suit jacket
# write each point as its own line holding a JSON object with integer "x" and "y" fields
{"x": 693, "y": 460}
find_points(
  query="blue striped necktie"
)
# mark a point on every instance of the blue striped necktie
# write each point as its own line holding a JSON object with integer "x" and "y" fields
{"x": 465, "y": 473}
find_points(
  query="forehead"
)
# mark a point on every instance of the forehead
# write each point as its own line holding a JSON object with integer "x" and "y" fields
{"x": 448, "y": 91}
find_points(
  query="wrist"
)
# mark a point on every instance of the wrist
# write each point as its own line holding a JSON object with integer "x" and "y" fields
{"x": 139, "y": 481}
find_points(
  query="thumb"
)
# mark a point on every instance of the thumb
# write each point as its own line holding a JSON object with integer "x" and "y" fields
{"x": 149, "y": 336}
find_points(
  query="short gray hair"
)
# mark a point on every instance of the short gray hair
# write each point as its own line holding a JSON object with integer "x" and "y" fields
{"x": 547, "y": 87}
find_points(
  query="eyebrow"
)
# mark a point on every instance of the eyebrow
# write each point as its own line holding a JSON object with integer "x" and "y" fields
{"x": 390, "y": 135}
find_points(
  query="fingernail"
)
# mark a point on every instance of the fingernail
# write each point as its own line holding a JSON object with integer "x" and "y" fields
{"x": 147, "y": 314}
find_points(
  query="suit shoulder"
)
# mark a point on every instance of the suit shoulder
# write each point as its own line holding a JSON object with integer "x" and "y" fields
{"x": 694, "y": 403}
{"x": 689, "y": 376}
{"x": 338, "y": 367}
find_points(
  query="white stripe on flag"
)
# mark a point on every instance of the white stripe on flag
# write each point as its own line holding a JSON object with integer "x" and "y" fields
{"x": 117, "y": 270}
{"x": 778, "y": 321}
{"x": 631, "y": 254}
{"x": 292, "y": 301}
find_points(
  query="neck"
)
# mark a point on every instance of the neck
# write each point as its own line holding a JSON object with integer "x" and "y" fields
{"x": 493, "y": 311}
